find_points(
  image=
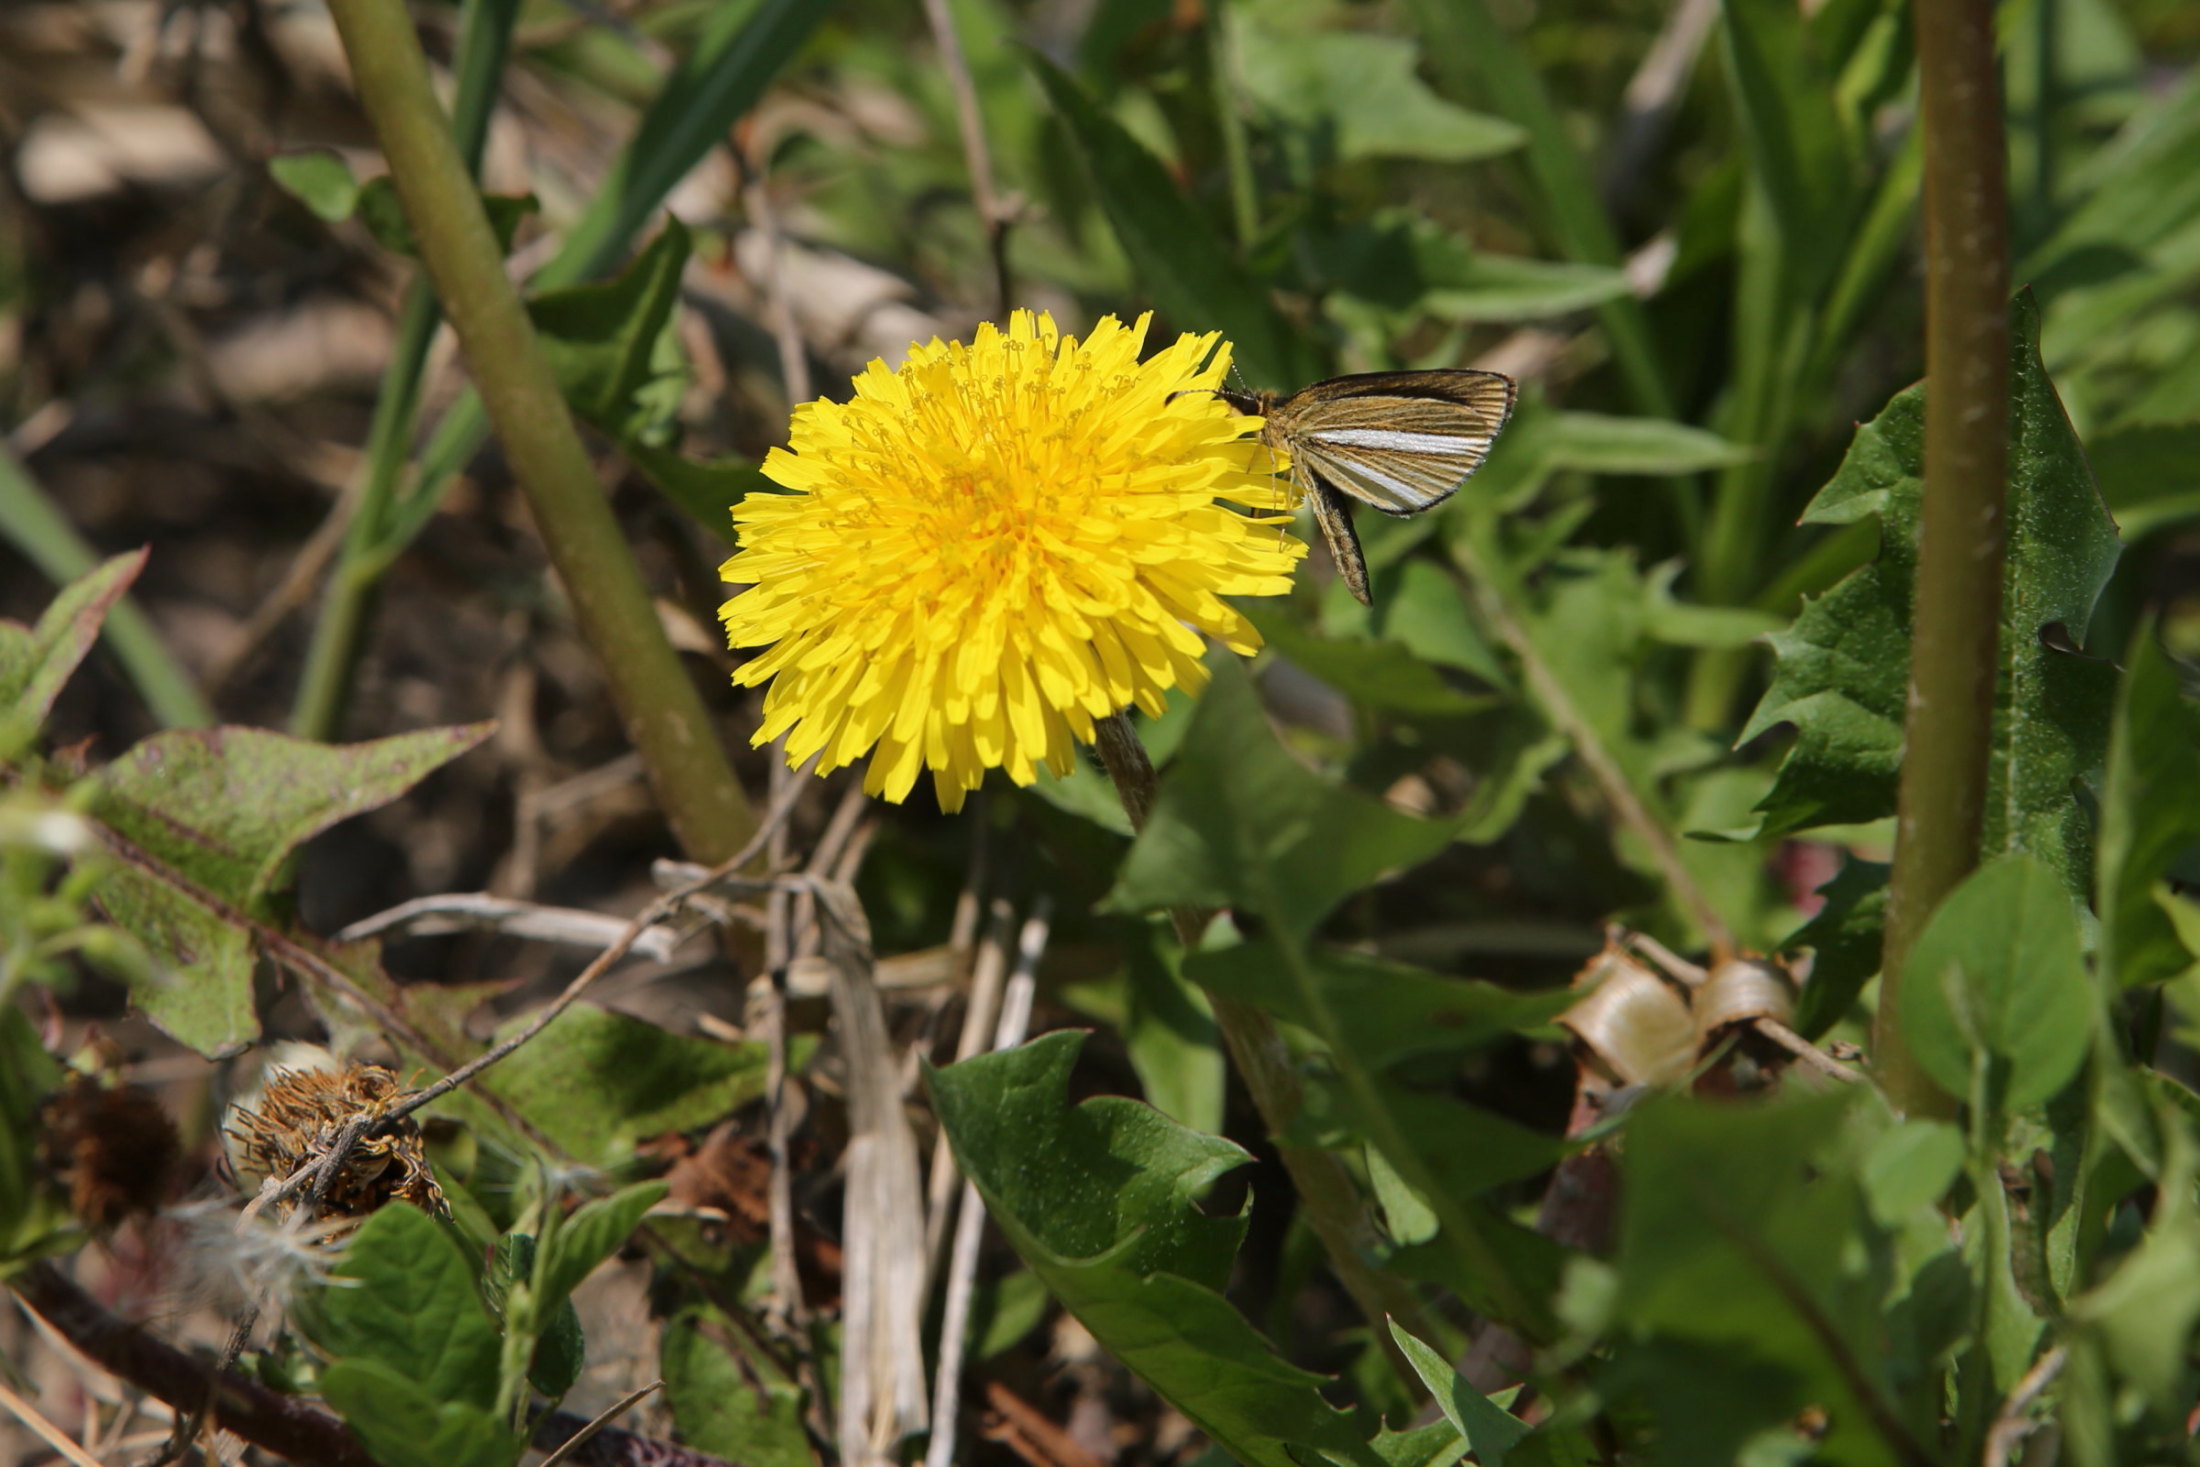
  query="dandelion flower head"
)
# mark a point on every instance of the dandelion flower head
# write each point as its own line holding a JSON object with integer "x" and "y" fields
{"x": 985, "y": 551}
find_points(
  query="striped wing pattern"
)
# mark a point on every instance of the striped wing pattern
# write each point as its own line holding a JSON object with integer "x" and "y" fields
{"x": 1400, "y": 441}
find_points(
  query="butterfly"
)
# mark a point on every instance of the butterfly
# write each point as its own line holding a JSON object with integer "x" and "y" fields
{"x": 1401, "y": 441}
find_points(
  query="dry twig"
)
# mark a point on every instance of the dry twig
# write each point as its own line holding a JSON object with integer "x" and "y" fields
{"x": 993, "y": 211}
{"x": 480, "y": 912}
{"x": 51, "y": 1434}
{"x": 962, "y": 1272}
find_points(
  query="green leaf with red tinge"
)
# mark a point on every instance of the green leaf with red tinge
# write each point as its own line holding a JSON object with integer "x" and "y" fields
{"x": 35, "y": 662}
{"x": 204, "y": 823}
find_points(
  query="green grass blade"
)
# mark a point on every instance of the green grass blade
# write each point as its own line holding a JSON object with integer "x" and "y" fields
{"x": 485, "y": 37}
{"x": 1175, "y": 253}
{"x": 1471, "y": 52}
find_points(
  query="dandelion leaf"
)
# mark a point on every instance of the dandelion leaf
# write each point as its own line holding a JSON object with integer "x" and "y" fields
{"x": 1843, "y": 665}
{"x": 1241, "y": 823}
{"x": 1101, "y": 1200}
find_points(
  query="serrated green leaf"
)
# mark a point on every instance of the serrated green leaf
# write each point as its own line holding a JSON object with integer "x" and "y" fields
{"x": 2150, "y": 815}
{"x": 1374, "y": 1018}
{"x": 200, "y": 992}
{"x": 205, "y": 822}
{"x": 1100, "y": 1200}
{"x": 1239, "y": 822}
{"x": 321, "y": 181}
{"x": 596, "y": 1082}
{"x": 1997, "y": 977}
{"x": 1360, "y": 89}
{"x": 1846, "y": 934}
{"x": 744, "y": 1410}
{"x": 406, "y": 1425}
{"x": 1178, "y": 258}
{"x": 593, "y": 1233}
{"x": 600, "y": 337}
{"x": 1428, "y": 615}
{"x": 36, "y": 662}
{"x": 1490, "y": 1430}
{"x": 1842, "y": 671}
{"x": 404, "y": 1299}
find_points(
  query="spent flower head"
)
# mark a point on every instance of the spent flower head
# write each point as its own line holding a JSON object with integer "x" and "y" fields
{"x": 985, "y": 551}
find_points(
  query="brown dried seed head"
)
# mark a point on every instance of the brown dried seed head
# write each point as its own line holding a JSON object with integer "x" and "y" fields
{"x": 112, "y": 1146}
{"x": 301, "y": 1114}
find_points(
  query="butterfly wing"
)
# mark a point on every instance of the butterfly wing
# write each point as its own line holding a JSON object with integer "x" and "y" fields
{"x": 1400, "y": 441}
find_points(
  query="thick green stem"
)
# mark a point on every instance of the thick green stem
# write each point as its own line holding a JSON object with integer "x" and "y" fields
{"x": 735, "y": 56}
{"x": 1959, "y": 569}
{"x": 1335, "y": 1210}
{"x": 663, "y": 713}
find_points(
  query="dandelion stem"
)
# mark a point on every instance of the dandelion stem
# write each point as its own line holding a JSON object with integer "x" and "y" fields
{"x": 662, "y": 711}
{"x": 1954, "y": 649}
{"x": 1334, "y": 1207}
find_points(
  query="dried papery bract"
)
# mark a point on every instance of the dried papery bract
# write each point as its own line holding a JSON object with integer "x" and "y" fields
{"x": 1741, "y": 992}
{"x": 1636, "y": 1025}
{"x": 298, "y": 1119}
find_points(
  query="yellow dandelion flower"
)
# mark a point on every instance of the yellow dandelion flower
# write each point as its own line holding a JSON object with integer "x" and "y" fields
{"x": 987, "y": 550}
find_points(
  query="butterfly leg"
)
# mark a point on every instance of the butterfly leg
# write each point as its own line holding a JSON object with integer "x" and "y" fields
{"x": 1335, "y": 518}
